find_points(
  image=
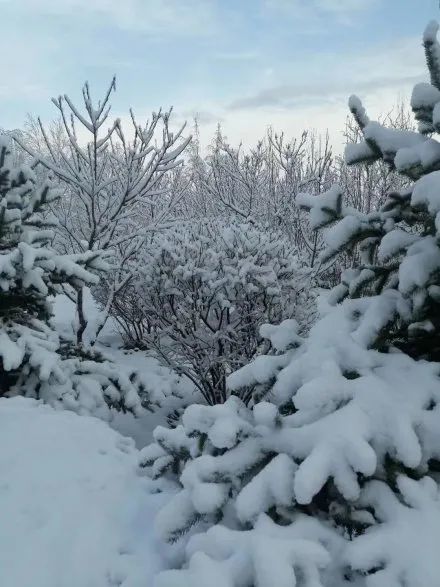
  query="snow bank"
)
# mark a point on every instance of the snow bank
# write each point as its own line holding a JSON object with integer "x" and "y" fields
{"x": 73, "y": 511}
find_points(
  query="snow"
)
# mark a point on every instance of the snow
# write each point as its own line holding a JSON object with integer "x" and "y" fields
{"x": 395, "y": 242}
{"x": 323, "y": 207}
{"x": 355, "y": 105}
{"x": 223, "y": 423}
{"x": 64, "y": 318}
{"x": 424, "y": 95}
{"x": 339, "y": 235}
{"x": 73, "y": 510}
{"x": 426, "y": 192}
{"x": 430, "y": 33}
{"x": 266, "y": 556}
{"x": 421, "y": 262}
{"x": 273, "y": 486}
{"x": 390, "y": 140}
{"x": 265, "y": 414}
{"x": 405, "y": 544}
{"x": 281, "y": 335}
{"x": 11, "y": 353}
{"x": 426, "y": 154}
{"x": 358, "y": 152}
{"x": 260, "y": 370}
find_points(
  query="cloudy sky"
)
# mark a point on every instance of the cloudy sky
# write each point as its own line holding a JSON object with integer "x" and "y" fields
{"x": 245, "y": 63}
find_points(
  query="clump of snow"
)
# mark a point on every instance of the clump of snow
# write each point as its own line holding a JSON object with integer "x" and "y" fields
{"x": 420, "y": 264}
{"x": 426, "y": 155}
{"x": 358, "y": 152}
{"x": 266, "y": 556}
{"x": 426, "y": 192}
{"x": 282, "y": 335}
{"x": 390, "y": 140}
{"x": 323, "y": 207}
{"x": 355, "y": 105}
{"x": 424, "y": 95}
{"x": 273, "y": 486}
{"x": 430, "y": 33}
{"x": 404, "y": 546}
{"x": 260, "y": 370}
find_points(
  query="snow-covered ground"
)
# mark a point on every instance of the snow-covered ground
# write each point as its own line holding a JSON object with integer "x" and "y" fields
{"x": 73, "y": 510}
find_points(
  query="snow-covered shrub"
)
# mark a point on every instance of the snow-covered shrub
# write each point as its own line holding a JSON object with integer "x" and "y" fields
{"x": 348, "y": 439}
{"x": 90, "y": 384}
{"x": 31, "y": 360}
{"x": 204, "y": 291}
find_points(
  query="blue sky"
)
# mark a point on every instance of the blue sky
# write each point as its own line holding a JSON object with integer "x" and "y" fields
{"x": 246, "y": 63}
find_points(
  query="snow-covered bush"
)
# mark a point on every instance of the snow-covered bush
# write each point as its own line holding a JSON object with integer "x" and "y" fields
{"x": 31, "y": 359}
{"x": 347, "y": 443}
{"x": 204, "y": 291}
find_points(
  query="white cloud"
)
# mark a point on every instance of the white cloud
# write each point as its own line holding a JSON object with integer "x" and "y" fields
{"x": 289, "y": 95}
{"x": 186, "y": 17}
{"x": 316, "y": 97}
{"x": 330, "y": 76}
{"x": 315, "y": 13}
{"x": 286, "y": 97}
{"x": 248, "y": 126}
{"x": 203, "y": 117}
{"x": 344, "y": 6}
{"x": 237, "y": 55}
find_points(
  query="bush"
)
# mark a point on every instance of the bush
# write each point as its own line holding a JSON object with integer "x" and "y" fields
{"x": 202, "y": 294}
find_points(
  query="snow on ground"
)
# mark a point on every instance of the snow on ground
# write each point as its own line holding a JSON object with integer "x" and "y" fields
{"x": 73, "y": 510}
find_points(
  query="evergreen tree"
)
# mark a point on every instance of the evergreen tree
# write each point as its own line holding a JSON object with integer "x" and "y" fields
{"x": 333, "y": 480}
{"x": 32, "y": 360}
{"x": 398, "y": 244}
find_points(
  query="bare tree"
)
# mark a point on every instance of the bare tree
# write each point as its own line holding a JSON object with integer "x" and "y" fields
{"x": 116, "y": 189}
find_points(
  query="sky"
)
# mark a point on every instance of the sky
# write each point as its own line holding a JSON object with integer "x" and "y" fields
{"x": 247, "y": 64}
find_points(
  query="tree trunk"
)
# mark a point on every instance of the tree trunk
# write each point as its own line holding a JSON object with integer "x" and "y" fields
{"x": 81, "y": 317}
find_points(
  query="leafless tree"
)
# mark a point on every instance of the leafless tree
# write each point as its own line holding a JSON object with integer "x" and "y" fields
{"x": 116, "y": 189}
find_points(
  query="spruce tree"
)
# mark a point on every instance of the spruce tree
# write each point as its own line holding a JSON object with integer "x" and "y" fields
{"x": 33, "y": 361}
{"x": 398, "y": 244}
{"x": 333, "y": 479}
